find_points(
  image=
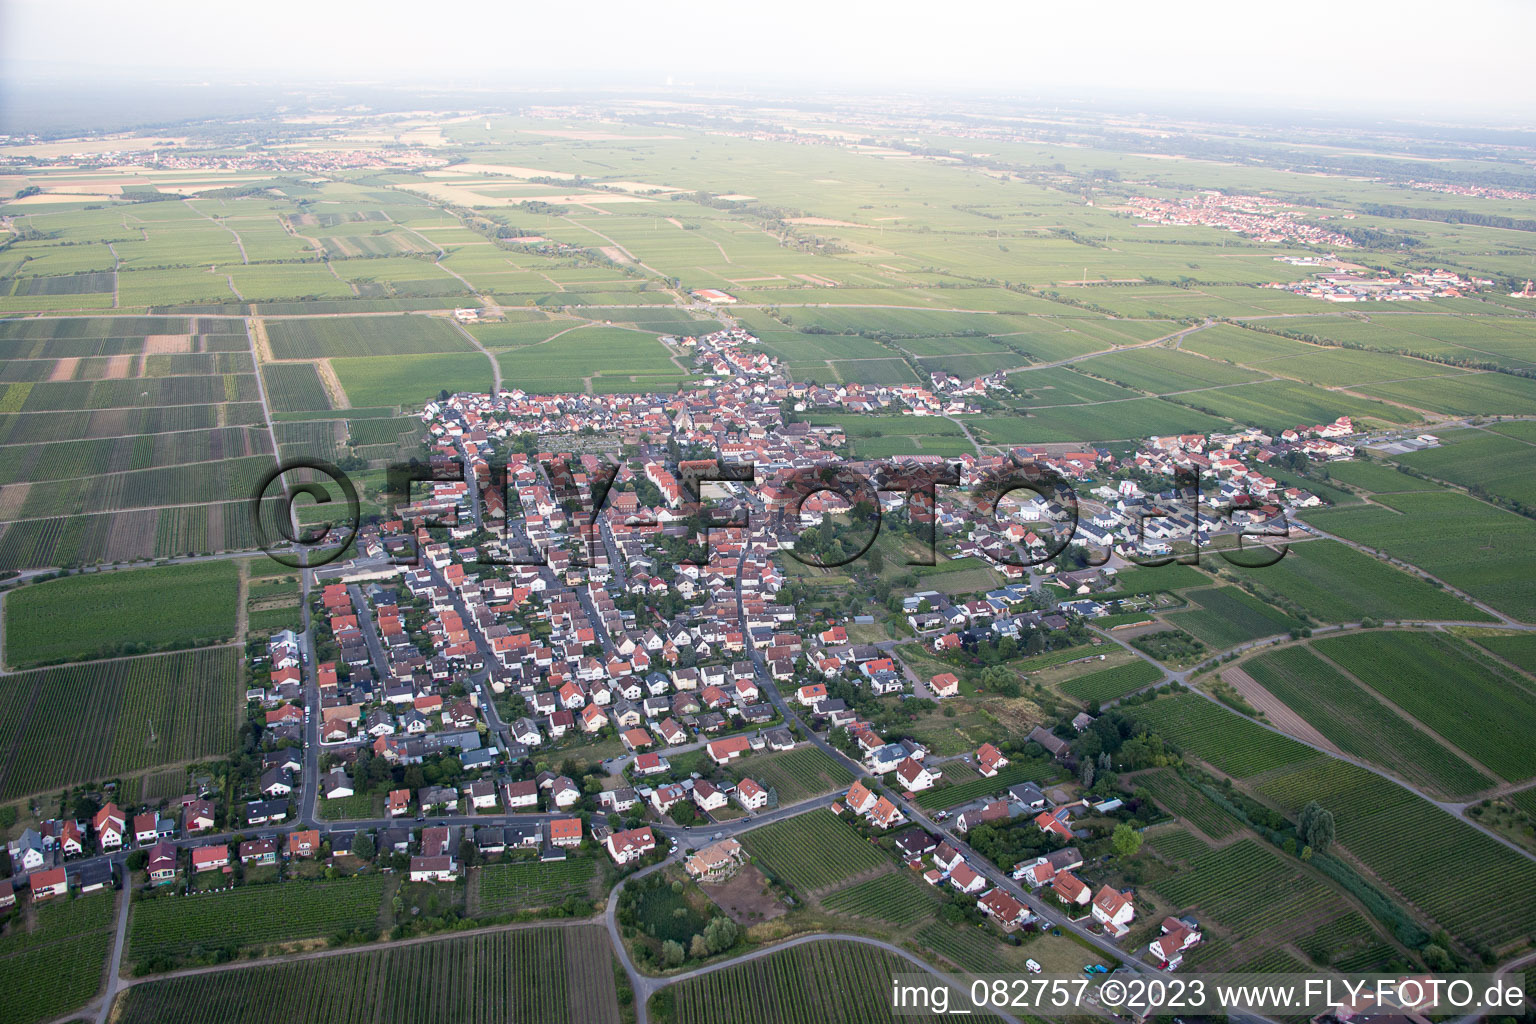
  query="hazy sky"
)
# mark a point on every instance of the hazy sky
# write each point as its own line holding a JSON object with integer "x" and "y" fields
{"x": 1405, "y": 56}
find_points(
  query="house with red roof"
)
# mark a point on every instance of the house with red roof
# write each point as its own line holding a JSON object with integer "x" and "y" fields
{"x": 210, "y": 858}
{"x": 945, "y": 684}
{"x": 1004, "y": 909}
{"x": 1114, "y": 910}
{"x": 964, "y": 878}
{"x": 728, "y": 749}
{"x": 565, "y": 831}
{"x": 48, "y": 884}
{"x": 750, "y": 795}
{"x": 624, "y": 847}
{"x": 1070, "y": 889}
{"x": 915, "y": 776}
{"x": 990, "y": 760}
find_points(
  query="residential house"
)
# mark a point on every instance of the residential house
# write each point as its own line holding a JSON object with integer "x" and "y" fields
{"x": 750, "y": 795}
{"x": 1114, "y": 910}
{"x": 48, "y": 884}
{"x": 565, "y": 832}
{"x": 1070, "y": 889}
{"x": 631, "y": 845}
{"x": 915, "y": 776}
{"x": 162, "y": 863}
{"x": 990, "y": 760}
{"x": 715, "y": 861}
{"x": 210, "y": 858}
{"x": 1004, "y": 909}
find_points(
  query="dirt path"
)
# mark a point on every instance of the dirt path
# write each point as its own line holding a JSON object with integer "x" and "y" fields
{"x": 242, "y": 600}
{"x": 259, "y": 338}
{"x": 1282, "y": 717}
{"x": 332, "y": 384}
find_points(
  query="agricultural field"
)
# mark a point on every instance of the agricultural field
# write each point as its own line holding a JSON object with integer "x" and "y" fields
{"x": 145, "y": 711}
{"x": 972, "y": 950}
{"x": 1180, "y": 798}
{"x": 1490, "y": 717}
{"x": 1228, "y": 616}
{"x": 1228, "y": 743}
{"x": 1470, "y": 545}
{"x": 812, "y": 851}
{"x": 1409, "y": 844}
{"x": 411, "y": 380}
{"x": 170, "y": 929}
{"x": 506, "y": 888}
{"x": 796, "y": 775}
{"x": 547, "y": 974}
{"x": 1332, "y": 582}
{"x": 1237, "y": 889}
{"x": 1111, "y": 683}
{"x": 895, "y": 899}
{"x": 335, "y": 337}
{"x": 1490, "y": 464}
{"x": 1519, "y": 649}
{"x": 1175, "y": 844}
{"x": 294, "y": 387}
{"x": 62, "y": 959}
{"x": 821, "y": 981}
{"x": 630, "y": 359}
{"x": 106, "y": 614}
{"x": 1358, "y": 723}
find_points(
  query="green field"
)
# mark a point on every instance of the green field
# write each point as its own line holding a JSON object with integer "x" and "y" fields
{"x": 510, "y": 887}
{"x": 1180, "y": 798}
{"x": 795, "y": 775}
{"x": 1332, "y": 582}
{"x": 1228, "y": 743}
{"x": 892, "y": 898}
{"x": 362, "y": 336}
{"x": 811, "y": 851}
{"x": 1110, "y": 683}
{"x": 1238, "y": 888}
{"x": 411, "y": 380}
{"x": 1409, "y": 844}
{"x": 1228, "y": 616}
{"x": 1359, "y": 724}
{"x": 170, "y": 929}
{"x": 1492, "y": 464}
{"x": 554, "y": 975}
{"x": 821, "y": 981}
{"x": 142, "y": 712}
{"x": 1493, "y": 706}
{"x": 100, "y": 615}
{"x": 1468, "y": 544}
{"x": 59, "y": 963}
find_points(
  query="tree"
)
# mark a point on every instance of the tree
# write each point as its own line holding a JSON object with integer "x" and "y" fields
{"x": 672, "y": 953}
{"x": 698, "y": 948}
{"x": 1126, "y": 840}
{"x": 1316, "y": 826}
{"x": 1085, "y": 774}
{"x": 362, "y": 847}
{"x": 683, "y": 812}
{"x": 720, "y": 935}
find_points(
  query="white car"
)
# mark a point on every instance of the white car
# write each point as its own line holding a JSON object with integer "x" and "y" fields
{"x": 1034, "y": 968}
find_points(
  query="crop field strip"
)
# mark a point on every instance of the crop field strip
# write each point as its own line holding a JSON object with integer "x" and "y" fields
{"x": 1359, "y": 724}
{"x": 505, "y": 888}
{"x": 797, "y": 775}
{"x": 170, "y": 927}
{"x": 1493, "y": 706}
{"x": 1411, "y": 845}
{"x": 59, "y": 965}
{"x": 1471, "y": 545}
{"x": 1177, "y": 844}
{"x": 1180, "y": 798}
{"x": 1228, "y": 616}
{"x": 143, "y": 712}
{"x": 79, "y": 617}
{"x": 893, "y": 898}
{"x": 553, "y": 975}
{"x": 1110, "y": 683}
{"x": 812, "y": 851}
{"x": 971, "y": 950}
{"x": 1228, "y": 743}
{"x": 810, "y": 984}
{"x": 1238, "y": 888}
{"x": 1333, "y": 582}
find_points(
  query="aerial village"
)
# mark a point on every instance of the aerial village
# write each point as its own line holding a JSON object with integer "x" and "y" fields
{"x": 481, "y": 636}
